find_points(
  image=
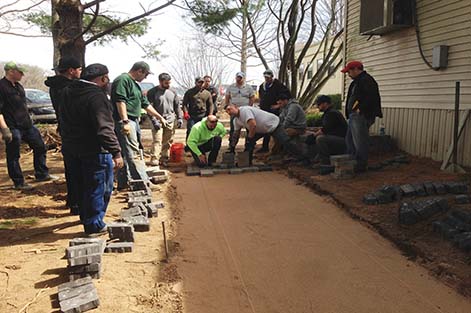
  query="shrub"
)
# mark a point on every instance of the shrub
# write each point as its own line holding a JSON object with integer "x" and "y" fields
{"x": 313, "y": 119}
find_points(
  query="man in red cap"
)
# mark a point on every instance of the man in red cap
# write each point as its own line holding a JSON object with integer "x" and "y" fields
{"x": 363, "y": 105}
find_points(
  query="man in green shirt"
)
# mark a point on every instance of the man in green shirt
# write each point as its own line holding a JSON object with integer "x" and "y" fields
{"x": 128, "y": 100}
{"x": 206, "y": 136}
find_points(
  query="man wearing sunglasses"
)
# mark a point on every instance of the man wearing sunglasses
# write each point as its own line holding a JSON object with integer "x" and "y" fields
{"x": 206, "y": 136}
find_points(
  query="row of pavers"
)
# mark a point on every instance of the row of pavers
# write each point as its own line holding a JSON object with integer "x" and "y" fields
{"x": 84, "y": 255}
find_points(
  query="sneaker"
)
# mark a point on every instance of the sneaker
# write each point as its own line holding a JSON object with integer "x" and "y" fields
{"x": 24, "y": 186}
{"x": 46, "y": 178}
{"x": 102, "y": 231}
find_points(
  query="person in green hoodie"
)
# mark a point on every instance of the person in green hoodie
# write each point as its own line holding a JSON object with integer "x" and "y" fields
{"x": 206, "y": 136}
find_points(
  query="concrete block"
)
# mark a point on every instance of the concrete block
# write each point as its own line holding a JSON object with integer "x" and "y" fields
{"x": 138, "y": 184}
{"x": 340, "y": 157}
{"x": 119, "y": 247}
{"x": 265, "y": 168}
{"x": 375, "y": 167}
{"x": 347, "y": 164}
{"x": 86, "y": 259}
{"x": 456, "y": 187}
{"x": 155, "y": 171}
{"x": 462, "y": 199}
{"x": 342, "y": 176}
{"x": 75, "y": 284}
{"x": 193, "y": 171}
{"x": 140, "y": 223}
{"x": 440, "y": 188}
{"x": 121, "y": 231}
{"x": 138, "y": 193}
{"x": 243, "y": 159}
{"x": 419, "y": 190}
{"x": 69, "y": 293}
{"x": 93, "y": 275}
{"x": 370, "y": 199}
{"x": 137, "y": 210}
{"x": 429, "y": 189}
{"x": 326, "y": 169}
{"x": 153, "y": 208}
{"x": 159, "y": 179}
{"x": 81, "y": 303}
{"x": 250, "y": 169}
{"x": 464, "y": 217}
{"x": 221, "y": 171}
{"x": 408, "y": 215}
{"x": 206, "y": 172}
{"x": 81, "y": 250}
{"x": 132, "y": 202}
{"x": 83, "y": 241}
{"x": 228, "y": 159}
{"x": 407, "y": 190}
{"x": 236, "y": 171}
{"x": 89, "y": 268}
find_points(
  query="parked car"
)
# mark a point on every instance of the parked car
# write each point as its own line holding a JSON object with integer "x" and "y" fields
{"x": 40, "y": 106}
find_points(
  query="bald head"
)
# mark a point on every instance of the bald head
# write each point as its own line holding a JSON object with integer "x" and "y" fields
{"x": 211, "y": 122}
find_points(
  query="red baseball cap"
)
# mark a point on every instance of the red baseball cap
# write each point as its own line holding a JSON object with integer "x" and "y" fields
{"x": 351, "y": 65}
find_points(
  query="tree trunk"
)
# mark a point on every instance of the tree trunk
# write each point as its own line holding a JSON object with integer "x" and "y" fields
{"x": 67, "y": 27}
{"x": 244, "y": 43}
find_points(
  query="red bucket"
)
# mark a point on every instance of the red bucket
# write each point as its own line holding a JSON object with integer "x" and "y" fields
{"x": 177, "y": 152}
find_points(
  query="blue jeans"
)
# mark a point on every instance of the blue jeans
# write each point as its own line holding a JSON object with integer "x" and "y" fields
{"x": 95, "y": 184}
{"x": 357, "y": 138}
{"x": 33, "y": 138}
{"x": 190, "y": 123}
{"x": 72, "y": 173}
{"x": 134, "y": 167}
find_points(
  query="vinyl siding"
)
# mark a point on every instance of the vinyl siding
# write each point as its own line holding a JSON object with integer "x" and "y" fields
{"x": 417, "y": 101}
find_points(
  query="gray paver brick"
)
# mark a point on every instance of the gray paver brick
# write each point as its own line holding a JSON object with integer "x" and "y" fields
{"x": 81, "y": 250}
{"x": 243, "y": 159}
{"x": 140, "y": 223}
{"x": 86, "y": 259}
{"x": 94, "y": 267}
{"x": 82, "y": 303}
{"x": 121, "y": 231}
{"x": 75, "y": 284}
{"x": 205, "y": 172}
{"x": 236, "y": 171}
{"x": 74, "y": 292}
{"x": 119, "y": 247}
{"x": 193, "y": 171}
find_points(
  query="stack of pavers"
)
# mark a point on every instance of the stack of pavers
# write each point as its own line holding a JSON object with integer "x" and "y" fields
{"x": 456, "y": 227}
{"x": 84, "y": 257}
{"x": 395, "y": 162}
{"x": 343, "y": 166}
{"x": 415, "y": 211}
{"x": 121, "y": 237}
{"x": 386, "y": 194}
{"x": 157, "y": 175}
{"x": 78, "y": 296}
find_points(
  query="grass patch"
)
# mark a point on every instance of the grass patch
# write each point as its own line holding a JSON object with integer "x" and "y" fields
{"x": 19, "y": 223}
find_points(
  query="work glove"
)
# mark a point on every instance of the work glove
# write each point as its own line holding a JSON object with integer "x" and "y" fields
{"x": 126, "y": 129}
{"x": 155, "y": 123}
{"x": 6, "y": 135}
{"x": 186, "y": 116}
{"x": 179, "y": 123}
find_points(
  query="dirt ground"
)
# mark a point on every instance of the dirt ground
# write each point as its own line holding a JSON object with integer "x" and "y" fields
{"x": 140, "y": 281}
{"x": 418, "y": 242}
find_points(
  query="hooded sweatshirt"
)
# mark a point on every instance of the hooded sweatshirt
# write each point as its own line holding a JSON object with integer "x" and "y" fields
{"x": 86, "y": 118}
{"x": 57, "y": 86}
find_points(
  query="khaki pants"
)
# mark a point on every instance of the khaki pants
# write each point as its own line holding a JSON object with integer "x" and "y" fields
{"x": 161, "y": 142}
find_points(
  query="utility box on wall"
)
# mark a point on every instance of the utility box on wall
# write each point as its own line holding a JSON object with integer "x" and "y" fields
{"x": 440, "y": 57}
{"x": 378, "y": 17}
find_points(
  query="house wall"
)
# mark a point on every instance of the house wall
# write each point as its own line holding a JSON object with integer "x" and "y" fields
{"x": 418, "y": 102}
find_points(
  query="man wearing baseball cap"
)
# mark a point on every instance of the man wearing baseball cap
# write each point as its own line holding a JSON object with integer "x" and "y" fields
{"x": 16, "y": 126}
{"x": 90, "y": 144}
{"x": 363, "y": 105}
{"x": 269, "y": 91}
{"x": 239, "y": 94}
{"x": 68, "y": 70}
{"x": 128, "y": 101}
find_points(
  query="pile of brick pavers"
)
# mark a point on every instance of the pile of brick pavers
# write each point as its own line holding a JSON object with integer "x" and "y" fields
{"x": 84, "y": 255}
{"x": 389, "y": 194}
{"x": 456, "y": 227}
{"x": 231, "y": 164}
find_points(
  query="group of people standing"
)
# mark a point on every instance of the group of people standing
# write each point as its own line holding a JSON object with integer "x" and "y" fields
{"x": 101, "y": 133}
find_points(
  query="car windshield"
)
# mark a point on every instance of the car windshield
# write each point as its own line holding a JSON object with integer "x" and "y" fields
{"x": 37, "y": 95}
{"x": 146, "y": 86}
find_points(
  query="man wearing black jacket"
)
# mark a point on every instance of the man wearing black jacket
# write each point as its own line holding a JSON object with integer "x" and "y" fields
{"x": 68, "y": 70}
{"x": 90, "y": 144}
{"x": 268, "y": 93}
{"x": 330, "y": 138}
{"x": 363, "y": 105}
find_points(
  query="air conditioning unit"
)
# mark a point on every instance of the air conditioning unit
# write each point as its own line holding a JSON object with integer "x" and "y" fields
{"x": 378, "y": 17}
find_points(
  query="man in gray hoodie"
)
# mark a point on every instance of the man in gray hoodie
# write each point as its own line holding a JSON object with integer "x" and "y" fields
{"x": 166, "y": 102}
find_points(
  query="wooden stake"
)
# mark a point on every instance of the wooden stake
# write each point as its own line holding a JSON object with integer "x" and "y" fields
{"x": 165, "y": 241}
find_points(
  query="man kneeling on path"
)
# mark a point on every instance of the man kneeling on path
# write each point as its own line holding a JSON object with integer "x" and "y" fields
{"x": 330, "y": 138}
{"x": 206, "y": 136}
{"x": 90, "y": 144}
{"x": 259, "y": 123}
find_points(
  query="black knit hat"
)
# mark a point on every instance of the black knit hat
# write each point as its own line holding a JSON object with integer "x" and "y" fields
{"x": 66, "y": 63}
{"x": 323, "y": 99}
{"x": 93, "y": 71}
{"x": 283, "y": 96}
